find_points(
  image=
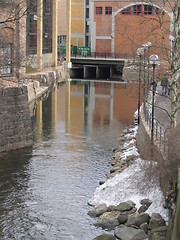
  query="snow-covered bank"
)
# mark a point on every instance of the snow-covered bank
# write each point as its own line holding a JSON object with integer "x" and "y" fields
{"x": 133, "y": 183}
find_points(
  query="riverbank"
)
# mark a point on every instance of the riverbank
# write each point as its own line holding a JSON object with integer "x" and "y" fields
{"x": 129, "y": 180}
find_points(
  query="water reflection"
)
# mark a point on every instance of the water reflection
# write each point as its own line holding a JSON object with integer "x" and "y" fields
{"x": 44, "y": 191}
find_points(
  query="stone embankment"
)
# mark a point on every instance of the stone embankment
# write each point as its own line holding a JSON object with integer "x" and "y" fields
{"x": 15, "y": 120}
{"x": 127, "y": 222}
{"x": 39, "y": 83}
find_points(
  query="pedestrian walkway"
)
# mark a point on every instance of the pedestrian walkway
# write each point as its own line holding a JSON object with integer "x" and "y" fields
{"x": 163, "y": 108}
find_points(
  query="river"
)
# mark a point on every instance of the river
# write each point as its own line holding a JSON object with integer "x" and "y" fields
{"x": 44, "y": 190}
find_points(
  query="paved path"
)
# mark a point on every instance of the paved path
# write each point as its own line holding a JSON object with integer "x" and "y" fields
{"x": 163, "y": 108}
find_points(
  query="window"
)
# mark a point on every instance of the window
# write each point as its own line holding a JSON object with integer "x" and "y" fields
{"x": 126, "y": 11}
{"x": 108, "y": 10}
{"x": 6, "y": 56}
{"x": 141, "y": 9}
{"x": 98, "y": 10}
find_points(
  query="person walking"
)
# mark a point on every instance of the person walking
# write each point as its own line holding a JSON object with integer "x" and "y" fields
{"x": 164, "y": 84}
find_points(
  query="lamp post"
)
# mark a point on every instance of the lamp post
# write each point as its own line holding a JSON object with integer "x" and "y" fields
{"x": 144, "y": 46}
{"x": 140, "y": 52}
{"x": 154, "y": 59}
{"x": 149, "y": 46}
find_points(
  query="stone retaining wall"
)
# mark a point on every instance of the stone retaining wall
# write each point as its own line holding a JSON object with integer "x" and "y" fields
{"x": 15, "y": 120}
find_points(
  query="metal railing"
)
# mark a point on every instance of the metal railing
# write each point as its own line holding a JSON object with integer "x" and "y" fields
{"x": 160, "y": 133}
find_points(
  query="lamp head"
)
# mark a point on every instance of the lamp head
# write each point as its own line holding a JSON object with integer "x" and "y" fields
{"x": 154, "y": 59}
{"x": 149, "y": 44}
{"x": 145, "y": 46}
{"x": 140, "y": 51}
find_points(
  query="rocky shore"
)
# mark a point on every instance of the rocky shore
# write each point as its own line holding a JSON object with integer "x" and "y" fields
{"x": 128, "y": 220}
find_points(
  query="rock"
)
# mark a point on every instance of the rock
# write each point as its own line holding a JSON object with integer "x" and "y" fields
{"x": 105, "y": 237}
{"x": 123, "y": 206}
{"x": 133, "y": 210}
{"x": 146, "y": 202}
{"x": 117, "y": 155}
{"x": 101, "y": 182}
{"x": 115, "y": 169}
{"x": 156, "y": 221}
{"x": 144, "y": 227}
{"x": 97, "y": 211}
{"x": 157, "y": 233}
{"x": 122, "y": 218}
{"x": 142, "y": 208}
{"x": 108, "y": 220}
{"x": 127, "y": 233}
{"x": 131, "y": 203}
{"x": 125, "y": 131}
{"x": 121, "y": 139}
{"x": 137, "y": 219}
{"x": 111, "y": 175}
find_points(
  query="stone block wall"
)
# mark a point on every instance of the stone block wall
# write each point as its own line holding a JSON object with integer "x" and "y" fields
{"x": 15, "y": 120}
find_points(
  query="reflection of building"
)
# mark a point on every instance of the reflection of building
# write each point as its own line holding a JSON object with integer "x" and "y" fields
{"x": 121, "y": 26}
{"x": 12, "y": 40}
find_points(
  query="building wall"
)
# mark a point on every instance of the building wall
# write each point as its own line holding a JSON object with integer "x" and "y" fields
{"x": 16, "y": 128}
{"x": 13, "y": 41}
{"x": 32, "y": 26}
{"x": 123, "y": 34}
{"x": 78, "y": 22}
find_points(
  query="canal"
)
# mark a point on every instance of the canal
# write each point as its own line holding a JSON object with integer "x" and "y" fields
{"x": 44, "y": 191}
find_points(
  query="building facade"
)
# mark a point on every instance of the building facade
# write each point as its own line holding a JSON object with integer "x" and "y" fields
{"x": 12, "y": 41}
{"x": 32, "y": 26}
{"x": 79, "y": 23}
{"x": 120, "y": 27}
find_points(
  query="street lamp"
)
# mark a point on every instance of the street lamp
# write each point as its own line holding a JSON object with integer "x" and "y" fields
{"x": 144, "y": 46}
{"x": 140, "y": 52}
{"x": 154, "y": 60}
{"x": 149, "y": 46}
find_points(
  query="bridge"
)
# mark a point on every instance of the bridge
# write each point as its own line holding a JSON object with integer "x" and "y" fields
{"x": 97, "y": 67}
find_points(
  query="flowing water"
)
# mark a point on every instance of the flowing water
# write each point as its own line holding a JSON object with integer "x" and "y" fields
{"x": 44, "y": 191}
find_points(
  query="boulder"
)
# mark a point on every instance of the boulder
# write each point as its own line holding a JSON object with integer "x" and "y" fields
{"x": 156, "y": 221}
{"x": 97, "y": 211}
{"x": 123, "y": 206}
{"x": 142, "y": 208}
{"x": 105, "y": 237}
{"x": 146, "y": 202}
{"x": 122, "y": 218}
{"x": 108, "y": 220}
{"x": 127, "y": 233}
{"x": 144, "y": 227}
{"x": 157, "y": 233}
{"x": 137, "y": 219}
{"x": 117, "y": 155}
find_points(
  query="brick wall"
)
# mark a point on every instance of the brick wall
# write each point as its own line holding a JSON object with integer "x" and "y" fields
{"x": 15, "y": 120}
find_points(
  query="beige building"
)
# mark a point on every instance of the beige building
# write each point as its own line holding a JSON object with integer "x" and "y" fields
{"x": 79, "y": 22}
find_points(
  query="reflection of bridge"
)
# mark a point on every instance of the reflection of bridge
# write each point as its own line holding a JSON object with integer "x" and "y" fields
{"x": 89, "y": 67}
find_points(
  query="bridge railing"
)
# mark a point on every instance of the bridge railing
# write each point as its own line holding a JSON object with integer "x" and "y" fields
{"x": 85, "y": 54}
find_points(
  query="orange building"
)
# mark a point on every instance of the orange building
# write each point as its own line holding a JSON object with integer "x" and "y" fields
{"x": 120, "y": 27}
{"x": 79, "y": 22}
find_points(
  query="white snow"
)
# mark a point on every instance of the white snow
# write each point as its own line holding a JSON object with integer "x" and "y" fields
{"x": 134, "y": 183}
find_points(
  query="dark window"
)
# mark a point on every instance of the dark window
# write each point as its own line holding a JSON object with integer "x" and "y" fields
{"x": 141, "y": 9}
{"x": 108, "y": 10}
{"x": 98, "y": 10}
{"x": 126, "y": 11}
{"x": 6, "y": 56}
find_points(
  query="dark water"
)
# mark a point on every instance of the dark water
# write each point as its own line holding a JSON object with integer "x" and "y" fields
{"x": 44, "y": 190}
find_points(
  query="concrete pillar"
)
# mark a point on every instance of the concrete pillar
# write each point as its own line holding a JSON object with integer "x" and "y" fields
{"x": 84, "y": 72}
{"x": 54, "y": 33}
{"x": 68, "y": 34}
{"x": 39, "y": 32}
{"x": 97, "y": 72}
{"x": 111, "y": 72}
